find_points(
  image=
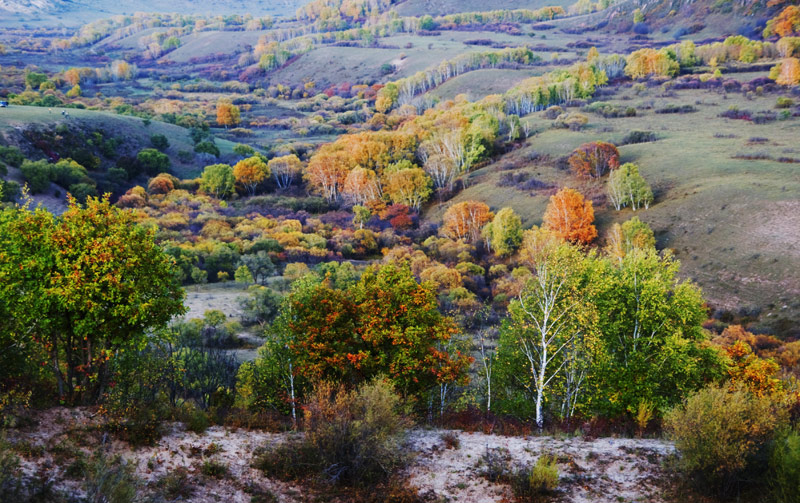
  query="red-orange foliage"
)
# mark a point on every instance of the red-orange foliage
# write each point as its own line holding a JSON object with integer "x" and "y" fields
{"x": 161, "y": 184}
{"x": 385, "y": 324}
{"x": 570, "y": 217}
{"x": 595, "y": 159}
{"x": 465, "y": 220}
{"x": 758, "y": 374}
{"x": 227, "y": 114}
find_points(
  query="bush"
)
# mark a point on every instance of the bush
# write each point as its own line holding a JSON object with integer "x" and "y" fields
{"x": 537, "y": 482}
{"x": 11, "y": 156}
{"x": 176, "y": 484}
{"x": 451, "y": 440}
{"x": 160, "y": 142}
{"x": 353, "y": 438}
{"x": 638, "y": 137}
{"x": 723, "y": 435}
{"x": 111, "y": 481}
{"x": 785, "y": 469}
{"x": 214, "y": 469}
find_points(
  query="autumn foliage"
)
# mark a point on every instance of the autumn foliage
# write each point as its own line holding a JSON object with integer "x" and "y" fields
{"x": 465, "y": 220}
{"x": 570, "y": 217}
{"x": 787, "y": 22}
{"x": 646, "y": 62}
{"x": 595, "y": 159}
{"x": 386, "y": 324}
{"x": 227, "y": 114}
{"x": 250, "y": 172}
{"x": 787, "y": 72}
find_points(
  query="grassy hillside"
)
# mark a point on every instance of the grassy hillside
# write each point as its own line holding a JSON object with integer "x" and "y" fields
{"x": 133, "y": 130}
{"x": 731, "y": 221}
{"x": 68, "y": 13}
{"x": 442, "y": 7}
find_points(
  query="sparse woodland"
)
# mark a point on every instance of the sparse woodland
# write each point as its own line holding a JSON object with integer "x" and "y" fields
{"x": 540, "y": 254}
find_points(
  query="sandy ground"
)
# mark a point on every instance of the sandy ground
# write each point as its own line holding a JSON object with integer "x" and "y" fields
{"x": 598, "y": 471}
{"x": 601, "y": 470}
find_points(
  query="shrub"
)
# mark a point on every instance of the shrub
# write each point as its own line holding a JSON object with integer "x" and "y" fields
{"x": 723, "y": 435}
{"x": 111, "y": 481}
{"x": 353, "y": 438}
{"x": 214, "y": 469}
{"x": 176, "y": 484}
{"x": 531, "y": 485}
{"x": 451, "y": 440}
{"x": 638, "y": 137}
{"x": 784, "y": 102}
{"x": 11, "y": 156}
{"x": 495, "y": 464}
{"x": 785, "y": 469}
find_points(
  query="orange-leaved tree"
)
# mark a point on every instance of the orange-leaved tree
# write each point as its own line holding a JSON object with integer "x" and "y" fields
{"x": 386, "y": 324}
{"x": 595, "y": 159}
{"x": 465, "y": 220}
{"x": 570, "y": 217}
{"x": 785, "y": 23}
{"x": 787, "y": 72}
{"x": 227, "y": 114}
{"x": 250, "y": 172}
{"x": 327, "y": 171}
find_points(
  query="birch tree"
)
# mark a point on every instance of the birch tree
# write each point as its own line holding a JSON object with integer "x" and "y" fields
{"x": 547, "y": 323}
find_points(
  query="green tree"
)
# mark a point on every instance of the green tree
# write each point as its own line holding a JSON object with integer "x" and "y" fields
{"x": 37, "y": 175}
{"x": 361, "y": 215}
{"x": 218, "y": 180}
{"x": 104, "y": 284}
{"x": 243, "y": 275}
{"x": 550, "y": 329}
{"x": 651, "y": 325}
{"x": 153, "y": 161}
{"x": 504, "y": 233}
{"x": 159, "y": 141}
{"x": 626, "y": 187}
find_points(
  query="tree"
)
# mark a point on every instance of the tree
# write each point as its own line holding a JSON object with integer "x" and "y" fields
{"x": 362, "y": 186}
{"x": 651, "y": 326}
{"x": 159, "y": 141}
{"x": 327, "y": 171}
{"x": 626, "y": 187}
{"x": 153, "y": 161}
{"x": 787, "y": 72}
{"x": 285, "y": 169}
{"x": 243, "y": 275}
{"x": 504, "y": 233}
{"x": 408, "y": 186}
{"x": 547, "y": 327}
{"x": 646, "y": 62}
{"x": 595, "y": 159}
{"x": 259, "y": 264}
{"x": 74, "y": 92}
{"x": 37, "y": 175}
{"x": 227, "y": 114}
{"x": 785, "y": 23}
{"x": 570, "y": 217}
{"x": 250, "y": 172}
{"x": 361, "y": 215}
{"x": 385, "y": 324}
{"x": 104, "y": 286}
{"x": 218, "y": 179}
{"x": 633, "y": 234}
{"x": 465, "y": 220}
